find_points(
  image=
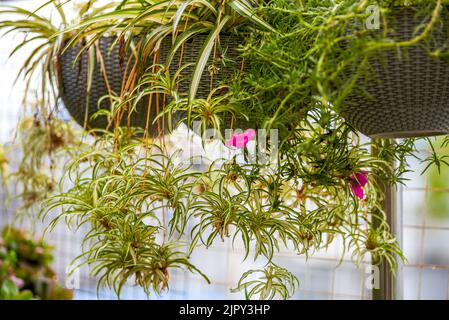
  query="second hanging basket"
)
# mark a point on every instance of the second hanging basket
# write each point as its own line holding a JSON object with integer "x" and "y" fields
{"x": 407, "y": 93}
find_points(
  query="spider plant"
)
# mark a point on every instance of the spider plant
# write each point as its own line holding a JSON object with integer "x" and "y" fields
{"x": 313, "y": 61}
{"x": 25, "y": 268}
{"x": 240, "y": 203}
{"x": 43, "y": 42}
{"x": 40, "y": 30}
{"x": 182, "y": 20}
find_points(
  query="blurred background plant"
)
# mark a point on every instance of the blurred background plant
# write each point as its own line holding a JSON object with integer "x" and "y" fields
{"x": 41, "y": 145}
{"x": 25, "y": 271}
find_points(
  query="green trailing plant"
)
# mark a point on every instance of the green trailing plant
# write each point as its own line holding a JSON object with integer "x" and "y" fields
{"x": 136, "y": 204}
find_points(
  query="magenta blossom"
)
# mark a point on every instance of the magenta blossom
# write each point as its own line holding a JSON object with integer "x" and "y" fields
{"x": 358, "y": 181}
{"x": 242, "y": 139}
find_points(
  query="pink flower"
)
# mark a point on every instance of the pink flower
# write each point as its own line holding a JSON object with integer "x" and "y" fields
{"x": 242, "y": 139}
{"x": 358, "y": 181}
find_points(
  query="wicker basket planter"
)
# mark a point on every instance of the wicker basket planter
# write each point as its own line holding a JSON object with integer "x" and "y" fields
{"x": 73, "y": 80}
{"x": 408, "y": 93}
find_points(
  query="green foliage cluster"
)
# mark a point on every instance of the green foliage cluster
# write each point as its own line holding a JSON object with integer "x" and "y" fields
{"x": 148, "y": 211}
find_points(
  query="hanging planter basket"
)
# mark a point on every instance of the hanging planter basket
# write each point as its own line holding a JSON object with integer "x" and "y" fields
{"x": 407, "y": 92}
{"x": 73, "y": 79}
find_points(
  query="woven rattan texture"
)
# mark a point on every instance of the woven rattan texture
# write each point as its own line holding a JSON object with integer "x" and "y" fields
{"x": 408, "y": 91}
{"x": 73, "y": 78}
